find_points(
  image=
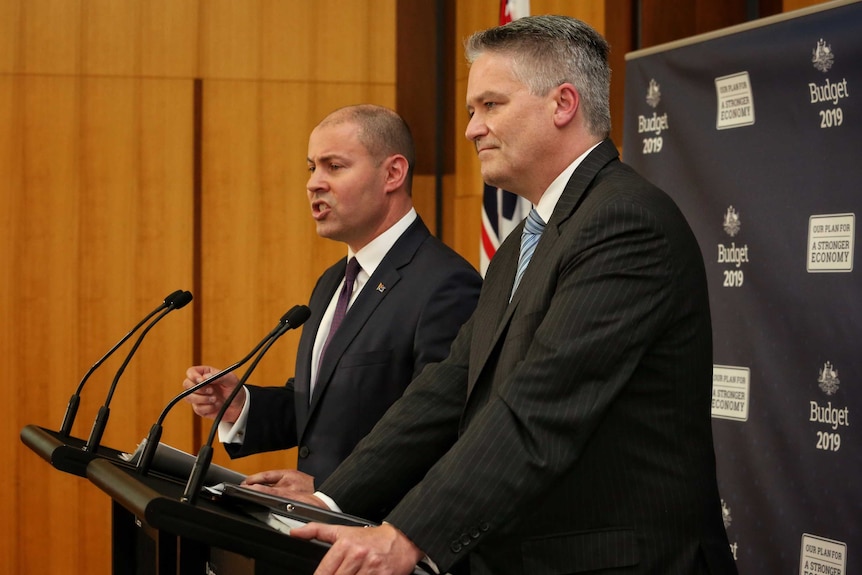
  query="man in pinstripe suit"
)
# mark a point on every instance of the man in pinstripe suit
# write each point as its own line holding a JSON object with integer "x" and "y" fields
{"x": 569, "y": 429}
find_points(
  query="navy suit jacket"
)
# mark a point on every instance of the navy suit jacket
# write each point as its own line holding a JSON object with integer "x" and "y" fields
{"x": 568, "y": 431}
{"x": 405, "y": 318}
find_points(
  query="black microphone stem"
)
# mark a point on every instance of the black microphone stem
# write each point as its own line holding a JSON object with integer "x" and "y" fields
{"x": 152, "y": 440}
{"x": 202, "y": 462}
{"x": 75, "y": 400}
{"x": 105, "y": 411}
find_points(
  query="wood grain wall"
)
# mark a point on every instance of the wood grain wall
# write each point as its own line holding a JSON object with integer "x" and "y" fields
{"x": 148, "y": 146}
{"x": 154, "y": 145}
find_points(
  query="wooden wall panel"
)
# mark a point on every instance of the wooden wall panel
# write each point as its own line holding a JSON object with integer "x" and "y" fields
{"x": 798, "y": 4}
{"x": 110, "y": 37}
{"x": 97, "y": 235}
{"x": 99, "y": 190}
{"x": 49, "y": 36}
{"x": 229, "y": 39}
{"x": 10, "y": 29}
{"x": 327, "y": 41}
{"x": 665, "y": 21}
{"x": 169, "y": 32}
{"x": 424, "y": 199}
{"x": 10, "y": 206}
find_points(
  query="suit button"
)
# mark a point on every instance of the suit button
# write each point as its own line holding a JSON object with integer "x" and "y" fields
{"x": 465, "y": 539}
{"x": 304, "y": 451}
{"x": 484, "y": 526}
{"x": 455, "y": 546}
{"x": 474, "y": 533}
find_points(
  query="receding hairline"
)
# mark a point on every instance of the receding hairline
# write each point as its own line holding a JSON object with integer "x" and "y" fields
{"x": 373, "y": 123}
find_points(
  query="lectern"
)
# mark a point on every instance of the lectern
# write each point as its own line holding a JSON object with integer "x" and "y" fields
{"x": 200, "y": 530}
{"x": 153, "y": 533}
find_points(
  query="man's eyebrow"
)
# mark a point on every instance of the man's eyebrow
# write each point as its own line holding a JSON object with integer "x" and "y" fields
{"x": 327, "y": 158}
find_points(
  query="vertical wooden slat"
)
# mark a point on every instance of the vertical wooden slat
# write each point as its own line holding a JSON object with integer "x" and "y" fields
{"x": 169, "y": 33}
{"x": 228, "y": 39}
{"x": 110, "y": 39}
{"x": 96, "y": 195}
{"x": 11, "y": 13}
{"x": 797, "y": 4}
{"x": 46, "y": 346}
{"x": 11, "y": 203}
{"x": 50, "y": 36}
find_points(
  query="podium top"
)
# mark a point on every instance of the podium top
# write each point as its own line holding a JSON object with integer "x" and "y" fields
{"x": 156, "y": 502}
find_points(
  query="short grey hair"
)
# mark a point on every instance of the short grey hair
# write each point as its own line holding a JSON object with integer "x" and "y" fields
{"x": 551, "y": 50}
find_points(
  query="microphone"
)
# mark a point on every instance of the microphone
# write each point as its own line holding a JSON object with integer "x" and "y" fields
{"x": 74, "y": 401}
{"x": 295, "y": 318}
{"x": 102, "y": 417}
{"x": 152, "y": 440}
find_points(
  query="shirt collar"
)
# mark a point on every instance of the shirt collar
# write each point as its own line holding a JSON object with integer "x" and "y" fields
{"x": 370, "y": 256}
{"x": 549, "y": 199}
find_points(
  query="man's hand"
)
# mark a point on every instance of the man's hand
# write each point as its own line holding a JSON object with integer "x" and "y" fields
{"x": 288, "y": 483}
{"x": 380, "y": 550}
{"x": 207, "y": 401}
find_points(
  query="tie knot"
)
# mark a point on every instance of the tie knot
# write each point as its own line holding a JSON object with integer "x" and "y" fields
{"x": 534, "y": 223}
{"x": 352, "y": 271}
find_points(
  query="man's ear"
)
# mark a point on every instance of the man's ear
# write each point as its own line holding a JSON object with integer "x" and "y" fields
{"x": 567, "y": 100}
{"x": 396, "y": 172}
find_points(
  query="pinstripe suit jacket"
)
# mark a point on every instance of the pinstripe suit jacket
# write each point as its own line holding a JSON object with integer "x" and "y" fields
{"x": 569, "y": 430}
{"x": 405, "y": 317}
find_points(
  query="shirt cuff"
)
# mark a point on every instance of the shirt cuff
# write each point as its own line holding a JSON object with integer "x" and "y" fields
{"x": 234, "y": 433}
{"x": 333, "y": 506}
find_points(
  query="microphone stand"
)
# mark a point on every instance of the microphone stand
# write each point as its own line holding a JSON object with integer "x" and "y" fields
{"x": 204, "y": 458}
{"x": 75, "y": 400}
{"x": 152, "y": 441}
{"x": 104, "y": 411}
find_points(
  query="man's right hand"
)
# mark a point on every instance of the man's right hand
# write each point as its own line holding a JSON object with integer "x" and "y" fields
{"x": 208, "y": 400}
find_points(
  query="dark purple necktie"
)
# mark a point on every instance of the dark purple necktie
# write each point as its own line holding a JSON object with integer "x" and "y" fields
{"x": 341, "y": 306}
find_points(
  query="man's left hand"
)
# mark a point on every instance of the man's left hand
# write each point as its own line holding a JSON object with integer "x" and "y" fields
{"x": 380, "y": 550}
{"x": 288, "y": 483}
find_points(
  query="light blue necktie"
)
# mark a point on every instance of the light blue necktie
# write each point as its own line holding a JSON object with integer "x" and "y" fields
{"x": 533, "y": 228}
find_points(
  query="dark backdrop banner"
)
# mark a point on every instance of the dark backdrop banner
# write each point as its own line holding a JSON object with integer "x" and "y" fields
{"x": 756, "y": 132}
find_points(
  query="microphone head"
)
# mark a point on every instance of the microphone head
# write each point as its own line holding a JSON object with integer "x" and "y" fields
{"x": 171, "y": 297}
{"x": 287, "y": 315}
{"x": 182, "y": 299}
{"x": 296, "y": 316}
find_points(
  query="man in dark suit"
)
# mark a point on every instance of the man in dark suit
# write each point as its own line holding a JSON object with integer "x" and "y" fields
{"x": 569, "y": 429}
{"x": 410, "y": 295}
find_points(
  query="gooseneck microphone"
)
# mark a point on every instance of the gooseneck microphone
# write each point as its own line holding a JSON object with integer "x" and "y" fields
{"x": 152, "y": 440}
{"x": 104, "y": 412}
{"x": 296, "y": 317}
{"x": 75, "y": 400}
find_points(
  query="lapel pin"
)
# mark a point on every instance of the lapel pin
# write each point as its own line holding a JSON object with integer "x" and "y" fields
{"x": 381, "y": 288}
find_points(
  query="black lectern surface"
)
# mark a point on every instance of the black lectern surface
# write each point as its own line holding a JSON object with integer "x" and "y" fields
{"x": 154, "y": 532}
{"x": 65, "y": 453}
{"x": 155, "y": 501}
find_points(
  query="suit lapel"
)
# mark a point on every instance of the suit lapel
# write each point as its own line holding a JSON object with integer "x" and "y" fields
{"x": 328, "y": 284}
{"x": 504, "y": 270}
{"x": 377, "y": 288}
